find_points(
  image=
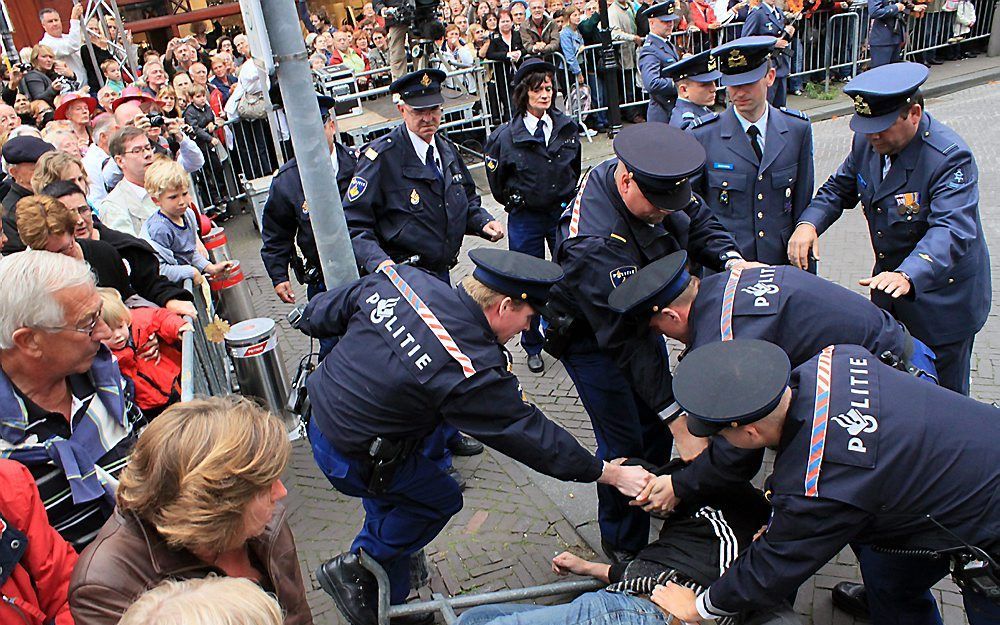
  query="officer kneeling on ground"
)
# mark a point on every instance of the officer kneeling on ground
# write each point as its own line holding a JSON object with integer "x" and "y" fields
{"x": 414, "y": 352}
{"x": 867, "y": 456}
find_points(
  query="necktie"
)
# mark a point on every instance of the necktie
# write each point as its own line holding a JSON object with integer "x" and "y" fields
{"x": 753, "y": 132}
{"x": 431, "y": 162}
{"x": 540, "y": 131}
{"x": 886, "y": 165}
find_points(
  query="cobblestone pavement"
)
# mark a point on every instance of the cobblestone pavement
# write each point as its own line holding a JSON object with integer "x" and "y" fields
{"x": 514, "y": 520}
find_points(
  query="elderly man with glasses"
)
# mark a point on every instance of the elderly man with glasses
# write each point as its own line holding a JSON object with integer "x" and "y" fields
{"x": 67, "y": 414}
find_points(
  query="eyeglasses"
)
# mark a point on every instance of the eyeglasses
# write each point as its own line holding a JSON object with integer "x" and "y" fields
{"x": 142, "y": 150}
{"x": 87, "y": 329}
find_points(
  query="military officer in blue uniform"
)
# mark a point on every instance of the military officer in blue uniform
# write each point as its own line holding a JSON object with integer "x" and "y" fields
{"x": 630, "y": 211}
{"x": 758, "y": 174}
{"x": 412, "y": 194}
{"x": 887, "y": 34}
{"x": 866, "y": 455}
{"x": 695, "y": 78}
{"x": 796, "y": 310}
{"x": 414, "y": 352}
{"x": 918, "y": 185}
{"x": 533, "y": 166}
{"x": 767, "y": 20}
{"x": 656, "y": 53}
{"x": 285, "y": 220}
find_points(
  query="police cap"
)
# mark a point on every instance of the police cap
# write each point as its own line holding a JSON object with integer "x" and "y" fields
{"x": 420, "y": 89}
{"x": 531, "y": 66}
{"x": 652, "y": 288}
{"x": 518, "y": 276}
{"x": 25, "y": 149}
{"x": 660, "y": 159}
{"x": 663, "y": 11}
{"x": 730, "y": 383}
{"x": 326, "y": 104}
{"x": 879, "y": 93}
{"x": 743, "y": 61}
{"x": 701, "y": 67}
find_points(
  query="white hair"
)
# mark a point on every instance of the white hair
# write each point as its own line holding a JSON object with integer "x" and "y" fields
{"x": 30, "y": 282}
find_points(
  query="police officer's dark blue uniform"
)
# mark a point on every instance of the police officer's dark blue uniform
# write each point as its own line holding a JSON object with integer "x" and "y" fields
{"x": 621, "y": 370}
{"x": 533, "y": 173}
{"x": 285, "y": 220}
{"x": 923, "y": 218}
{"x": 413, "y": 352}
{"x": 887, "y": 32}
{"x": 865, "y": 454}
{"x": 657, "y": 52}
{"x": 759, "y": 200}
{"x": 769, "y": 21}
{"x": 398, "y": 205}
{"x": 796, "y": 310}
{"x": 701, "y": 68}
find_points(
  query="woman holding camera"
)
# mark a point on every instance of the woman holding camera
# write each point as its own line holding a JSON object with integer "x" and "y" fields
{"x": 201, "y": 495}
{"x": 533, "y": 164}
{"x": 47, "y": 77}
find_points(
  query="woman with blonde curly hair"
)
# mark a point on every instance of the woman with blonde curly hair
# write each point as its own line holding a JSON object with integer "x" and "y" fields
{"x": 53, "y": 166}
{"x": 209, "y": 601}
{"x": 200, "y": 496}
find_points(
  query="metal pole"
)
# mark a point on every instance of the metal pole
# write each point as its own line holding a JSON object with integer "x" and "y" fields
{"x": 993, "y": 45}
{"x": 312, "y": 153}
{"x": 610, "y": 69}
{"x": 7, "y": 34}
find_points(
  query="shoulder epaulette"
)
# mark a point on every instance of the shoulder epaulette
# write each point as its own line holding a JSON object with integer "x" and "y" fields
{"x": 707, "y": 119}
{"x": 794, "y": 113}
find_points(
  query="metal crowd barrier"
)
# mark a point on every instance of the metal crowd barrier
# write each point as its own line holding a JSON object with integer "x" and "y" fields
{"x": 204, "y": 364}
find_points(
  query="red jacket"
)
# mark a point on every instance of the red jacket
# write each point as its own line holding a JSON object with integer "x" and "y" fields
{"x": 155, "y": 380}
{"x": 36, "y": 562}
{"x": 702, "y": 15}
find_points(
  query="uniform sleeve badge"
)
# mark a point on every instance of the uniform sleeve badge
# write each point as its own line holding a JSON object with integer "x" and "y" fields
{"x": 491, "y": 163}
{"x": 414, "y": 197}
{"x": 620, "y": 274}
{"x": 957, "y": 179}
{"x": 356, "y": 188}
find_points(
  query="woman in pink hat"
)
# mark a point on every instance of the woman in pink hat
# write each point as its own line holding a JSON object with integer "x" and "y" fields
{"x": 78, "y": 109}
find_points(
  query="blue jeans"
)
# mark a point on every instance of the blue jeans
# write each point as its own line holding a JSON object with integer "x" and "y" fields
{"x": 597, "y": 99}
{"x": 399, "y": 522}
{"x": 325, "y": 345}
{"x": 592, "y": 608}
{"x": 528, "y": 231}
{"x": 798, "y": 64}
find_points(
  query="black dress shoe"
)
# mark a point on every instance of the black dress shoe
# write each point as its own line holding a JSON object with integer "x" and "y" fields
{"x": 616, "y": 554}
{"x": 535, "y": 363}
{"x": 464, "y": 446}
{"x": 935, "y": 62}
{"x": 851, "y": 598}
{"x": 454, "y": 474}
{"x": 352, "y": 587}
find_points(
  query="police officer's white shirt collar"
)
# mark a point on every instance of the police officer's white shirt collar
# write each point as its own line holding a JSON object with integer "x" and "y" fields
{"x": 420, "y": 147}
{"x": 654, "y": 35}
{"x": 761, "y": 124}
{"x": 531, "y": 122}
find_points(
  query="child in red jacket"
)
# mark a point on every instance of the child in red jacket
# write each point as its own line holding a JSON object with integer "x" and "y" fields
{"x": 156, "y": 379}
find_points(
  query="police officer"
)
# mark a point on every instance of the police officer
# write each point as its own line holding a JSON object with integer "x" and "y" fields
{"x": 413, "y": 352}
{"x": 887, "y": 34}
{"x": 412, "y": 194}
{"x": 919, "y": 186}
{"x": 798, "y": 311}
{"x": 866, "y": 455}
{"x": 285, "y": 220}
{"x": 767, "y": 20}
{"x": 695, "y": 78}
{"x": 630, "y": 211}
{"x": 533, "y": 165}
{"x": 657, "y": 52}
{"x": 758, "y": 176}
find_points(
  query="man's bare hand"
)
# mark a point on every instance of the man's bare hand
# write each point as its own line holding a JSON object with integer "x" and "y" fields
{"x": 182, "y": 308}
{"x": 658, "y": 496}
{"x": 677, "y": 601}
{"x": 688, "y": 445}
{"x": 803, "y": 245}
{"x": 284, "y": 291}
{"x": 746, "y": 264}
{"x": 77, "y": 12}
{"x": 494, "y": 231}
{"x": 780, "y": 44}
{"x": 892, "y": 283}
{"x": 566, "y": 563}
{"x": 629, "y": 480}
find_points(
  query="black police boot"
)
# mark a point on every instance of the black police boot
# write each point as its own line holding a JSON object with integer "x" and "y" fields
{"x": 454, "y": 474}
{"x": 616, "y": 554}
{"x": 535, "y": 363}
{"x": 352, "y": 587}
{"x": 464, "y": 446}
{"x": 851, "y": 598}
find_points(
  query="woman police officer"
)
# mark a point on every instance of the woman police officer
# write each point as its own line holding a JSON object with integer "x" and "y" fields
{"x": 533, "y": 164}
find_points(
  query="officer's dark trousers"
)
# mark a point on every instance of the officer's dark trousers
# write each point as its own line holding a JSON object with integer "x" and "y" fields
{"x": 777, "y": 94}
{"x": 528, "y": 231}
{"x": 899, "y": 590}
{"x": 325, "y": 345}
{"x": 624, "y": 426}
{"x": 883, "y": 55}
{"x": 398, "y": 523}
{"x": 953, "y": 361}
